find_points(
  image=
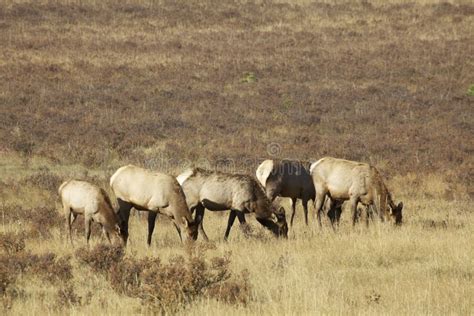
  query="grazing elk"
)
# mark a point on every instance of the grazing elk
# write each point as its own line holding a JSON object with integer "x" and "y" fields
{"x": 240, "y": 194}
{"x": 343, "y": 180}
{"x": 81, "y": 197}
{"x": 153, "y": 192}
{"x": 287, "y": 178}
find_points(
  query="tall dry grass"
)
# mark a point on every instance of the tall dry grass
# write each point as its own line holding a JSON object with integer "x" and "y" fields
{"x": 87, "y": 86}
{"x": 423, "y": 267}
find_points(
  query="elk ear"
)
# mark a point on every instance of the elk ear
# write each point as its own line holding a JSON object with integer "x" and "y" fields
{"x": 400, "y": 206}
{"x": 186, "y": 223}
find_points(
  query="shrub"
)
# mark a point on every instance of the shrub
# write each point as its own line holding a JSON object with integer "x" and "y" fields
{"x": 232, "y": 291}
{"x": 13, "y": 213}
{"x": 125, "y": 276}
{"x": 248, "y": 77}
{"x": 45, "y": 180}
{"x": 101, "y": 258}
{"x": 48, "y": 267}
{"x": 12, "y": 243}
{"x": 169, "y": 287}
{"x": 66, "y": 296}
{"x": 470, "y": 91}
{"x": 45, "y": 266}
{"x": 42, "y": 220}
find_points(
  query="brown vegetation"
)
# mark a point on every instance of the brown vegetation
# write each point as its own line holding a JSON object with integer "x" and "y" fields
{"x": 148, "y": 82}
{"x": 168, "y": 287}
{"x": 15, "y": 261}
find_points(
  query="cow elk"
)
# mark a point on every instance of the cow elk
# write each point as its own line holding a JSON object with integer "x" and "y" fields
{"x": 153, "y": 192}
{"x": 81, "y": 197}
{"x": 240, "y": 194}
{"x": 344, "y": 180}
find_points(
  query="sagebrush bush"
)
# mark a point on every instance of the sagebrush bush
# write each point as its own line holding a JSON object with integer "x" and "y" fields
{"x": 126, "y": 276}
{"x": 44, "y": 180}
{"x": 43, "y": 219}
{"x": 12, "y": 243}
{"x": 66, "y": 297}
{"x": 101, "y": 258}
{"x": 47, "y": 267}
{"x": 168, "y": 287}
{"x": 232, "y": 291}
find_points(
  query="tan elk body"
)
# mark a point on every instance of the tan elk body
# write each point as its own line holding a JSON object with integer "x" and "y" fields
{"x": 81, "y": 197}
{"x": 356, "y": 182}
{"x": 241, "y": 194}
{"x": 153, "y": 192}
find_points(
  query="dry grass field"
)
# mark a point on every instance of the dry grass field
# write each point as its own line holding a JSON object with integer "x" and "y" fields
{"x": 88, "y": 86}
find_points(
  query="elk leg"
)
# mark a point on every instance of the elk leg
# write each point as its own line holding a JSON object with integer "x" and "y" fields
{"x": 106, "y": 233}
{"x": 74, "y": 216}
{"x": 124, "y": 214}
{"x": 305, "y": 209}
{"x": 230, "y": 222}
{"x": 381, "y": 210}
{"x": 199, "y": 219}
{"x": 69, "y": 214}
{"x": 332, "y": 213}
{"x": 293, "y": 210}
{"x": 88, "y": 222}
{"x": 243, "y": 223}
{"x": 369, "y": 214}
{"x": 354, "y": 201}
{"x": 366, "y": 209}
{"x": 179, "y": 232}
{"x": 151, "y": 225}
{"x": 338, "y": 212}
{"x": 320, "y": 196}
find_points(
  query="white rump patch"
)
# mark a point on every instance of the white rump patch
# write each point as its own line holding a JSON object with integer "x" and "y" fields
{"x": 263, "y": 171}
{"x": 314, "y": 164}
{"x": 62, "y": 186}
{"x": 119, "y": 170}
{"x": 184, "y": 176}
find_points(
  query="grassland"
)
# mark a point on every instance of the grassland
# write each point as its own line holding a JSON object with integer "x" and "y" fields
{"x": 87, "y": 86}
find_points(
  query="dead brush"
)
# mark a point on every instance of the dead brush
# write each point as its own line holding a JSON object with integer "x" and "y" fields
{"x": 101, "y": 258}
{"x": 49, "y": 267}
{"x": 42, "y": 220}
{"x": 12, "y": 243}
{"x": 15, "y": 262}
{"x": 232, "y": 291}
{"x": 44, "y": 180}
{"x": 14, "y": 214}
{"x": 66, "y": 296}
{"x": 168, "y": 287}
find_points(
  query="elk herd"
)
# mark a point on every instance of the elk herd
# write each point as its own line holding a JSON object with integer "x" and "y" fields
{"x": 328, "y": 183}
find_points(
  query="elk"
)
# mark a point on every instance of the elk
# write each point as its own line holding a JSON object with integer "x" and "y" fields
{"x": 153, "y": 192}
{"x": 288, "y": 178}
{"x": 240, "y": 194}
{"x": 344, "y": 180}
{"x": 81, "y": 197}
